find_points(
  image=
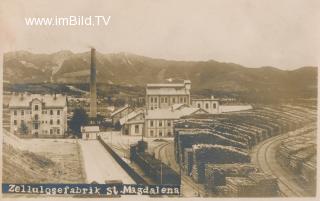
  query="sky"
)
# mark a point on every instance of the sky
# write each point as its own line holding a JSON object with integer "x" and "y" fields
{"x": 253, "y": 33}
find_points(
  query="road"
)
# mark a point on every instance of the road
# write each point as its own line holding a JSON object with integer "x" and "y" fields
{"x": 100, "y": 165}
{"x": 264, "y": 156}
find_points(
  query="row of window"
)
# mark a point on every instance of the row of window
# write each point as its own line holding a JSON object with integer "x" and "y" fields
{"x": 51, "y": 131}
{"x": 15, "y": 122}
{"x": 15, "y": 112}
{"x": 214, "y": 105}
{"x": 165, "y": 100}
{"x": 151, "y": 134}
{"x": 160, "y": 123}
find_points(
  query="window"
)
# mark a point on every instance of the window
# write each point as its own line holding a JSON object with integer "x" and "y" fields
{"x": 51, "y": 112}
{"x": 199, "y": 106}
{"x": 162, "y": 100}
{"x": 180, "y": 99}
{"x": 151, "y": 100}
{"x": 160, "y": 133}
{"x": 169, "y": 133}
{"x": 51, "y": 131}
{"x": 155, "y": 100}
{"x": 58, "y": 121}
{"x": 185, "y": 100}
{"x": 173, "y": 100}
{"x": 58, "y": 112}
{"x": 22, "y": 112}
{"x": 58, "y": 131}
{"x": 160, "y": 123}
{"x": 22, "y": 121}
{"x": 15, "y": 113}
{"x": 51, "y": 121}
{"x": 36, "y": 117}
{"x": 207, "y": 105}
{"x": 151, "y": 108}
{"x": 36, "y": 126}
{"x": 214, "y": 105}
{"x": 36, "y": 107}
{"x": 165, "y": 99}
{"x": 151, "y": 133}
{"x": 136, "y": 128}
{"x": 169, "y": 123}
{"x": 151, "y": 123}
{"x": 15, "y": 122}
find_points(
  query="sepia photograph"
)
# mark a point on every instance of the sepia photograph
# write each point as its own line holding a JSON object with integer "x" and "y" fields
{"x": 159, "y": 99}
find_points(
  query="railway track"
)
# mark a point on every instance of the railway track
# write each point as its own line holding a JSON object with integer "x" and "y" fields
{"x": 263, "y": 162}
{"x": 185, "y": 180}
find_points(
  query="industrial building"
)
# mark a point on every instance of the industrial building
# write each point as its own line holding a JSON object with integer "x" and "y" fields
{"x": 38, "y": 115}
{"x": 162, "y": 96}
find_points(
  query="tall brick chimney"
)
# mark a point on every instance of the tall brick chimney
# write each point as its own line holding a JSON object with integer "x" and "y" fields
{"x": 93, "y": 87}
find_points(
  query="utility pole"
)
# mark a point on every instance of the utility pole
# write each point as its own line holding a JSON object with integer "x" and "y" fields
{"x": 161, "y": 173}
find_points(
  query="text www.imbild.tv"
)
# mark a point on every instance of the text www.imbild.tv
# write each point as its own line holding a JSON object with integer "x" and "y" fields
{"x": 97, "y": 20}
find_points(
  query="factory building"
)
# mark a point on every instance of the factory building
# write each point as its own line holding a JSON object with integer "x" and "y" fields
{"x": 211, "y": 105}
{"x": 162, "y": 96}
{"x": 38, "y": 115}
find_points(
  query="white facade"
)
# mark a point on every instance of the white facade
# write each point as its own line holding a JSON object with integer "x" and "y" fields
{"x": 210, "y": 105}
{"x": 133, "y": 123}
{"x": 159, "y": 122}
{"x": 38, "y": 115}
{"x": 162, "y": 96}
{"x": 90, "y": 132}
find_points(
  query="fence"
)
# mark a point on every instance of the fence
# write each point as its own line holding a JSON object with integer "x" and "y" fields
{"x": 133, "y": 174}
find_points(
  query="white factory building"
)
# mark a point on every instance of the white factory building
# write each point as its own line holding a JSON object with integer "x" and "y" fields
{"x": 38, "y": 115}
{"x": 164, "y": 95}
{"x": 157, "y": 123}
{"x": 211, "y": 105}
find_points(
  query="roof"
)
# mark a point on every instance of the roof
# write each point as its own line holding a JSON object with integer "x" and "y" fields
{"x": 24, "y": 100}
{"x": 90, "y": 129}
{"x": 120, "y": 110}
{"x": 131, "y": 115}
{"x": 165, "y": 85}
{"x": 168, "y": 88}
{"x": 178, "y": 106}
{"x": 172, "y": 114}
{"x": 167, "y": 91}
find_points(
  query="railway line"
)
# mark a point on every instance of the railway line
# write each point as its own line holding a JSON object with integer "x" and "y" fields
{"x": 263, "y": 156}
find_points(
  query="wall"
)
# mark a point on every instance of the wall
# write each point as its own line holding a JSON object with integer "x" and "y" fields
{"x": 234, "y": 108}
{"x": 165, "y": 129}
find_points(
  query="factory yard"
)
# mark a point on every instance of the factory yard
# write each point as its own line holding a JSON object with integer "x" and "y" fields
{"x": 99, "y": 164}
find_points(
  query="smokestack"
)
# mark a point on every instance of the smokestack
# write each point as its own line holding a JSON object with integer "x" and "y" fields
{"x": 93, "y": 87}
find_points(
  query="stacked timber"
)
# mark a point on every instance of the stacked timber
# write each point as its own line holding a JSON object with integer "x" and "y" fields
{"x": 267, "y": 185}
{"x": 188, "y": 161}
{"x": 241, "y": 187}
{"x": 216, "y": 174}
{"x": 214, "y": 154}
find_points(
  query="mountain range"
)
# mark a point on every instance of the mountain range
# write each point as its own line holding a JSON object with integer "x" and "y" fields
{"x": 134, "y": 70}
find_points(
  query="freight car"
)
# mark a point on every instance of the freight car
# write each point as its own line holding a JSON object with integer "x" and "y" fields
{"x": 152, "y": 167}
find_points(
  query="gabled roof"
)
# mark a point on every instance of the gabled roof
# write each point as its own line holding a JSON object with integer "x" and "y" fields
{"x": 90, "y": 129}
{"x": 168, "y": 88}
{"x": 130, "y": 116}
{"x": 172, "y": 114}
{"x": 24, "y": 100}
{"x": 178, "y": 106}
{"x": 119, "y": 110}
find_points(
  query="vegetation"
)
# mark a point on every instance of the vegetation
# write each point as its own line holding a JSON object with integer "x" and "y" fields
{"x": 24, "y": 128}
{"x": 79, "y": 118}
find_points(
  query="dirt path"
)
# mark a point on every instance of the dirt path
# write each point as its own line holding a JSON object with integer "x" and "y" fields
{"x": 99, "y": 164}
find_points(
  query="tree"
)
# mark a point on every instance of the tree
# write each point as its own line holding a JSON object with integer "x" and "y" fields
{"x": 79, "y": 118}
{"x": 24, "y": 128}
